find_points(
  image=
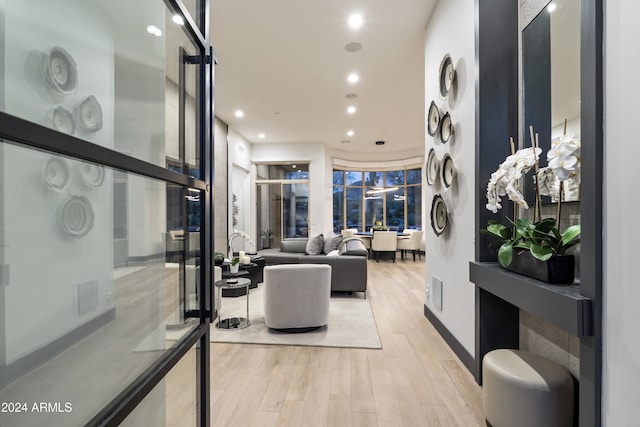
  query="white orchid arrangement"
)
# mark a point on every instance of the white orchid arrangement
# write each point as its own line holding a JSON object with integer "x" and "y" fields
{"x": 541, "y": 237}
{"x": 563, "y": 171}
{"x": 506, "y": 180}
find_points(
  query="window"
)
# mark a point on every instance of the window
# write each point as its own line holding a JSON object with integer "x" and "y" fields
{"x": 394, "y": 197}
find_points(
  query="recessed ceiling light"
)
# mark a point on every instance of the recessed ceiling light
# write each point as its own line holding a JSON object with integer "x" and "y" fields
{"x": 153, "y": 30}
{"x": 353, "y": 78}
{"x": 552, "y": 6}
{"x": 352, "y": 47}
{"x": 239, "y": 113}
{"x": 178, "y": 19}
{"x": 261, "y": 135}
{"x": 293, "y": 166}
{"x": 350, "y": 133}
{"x": 351, "y": 96}
{"x": 351, "y": 109}
{"x": 355, "y": 20}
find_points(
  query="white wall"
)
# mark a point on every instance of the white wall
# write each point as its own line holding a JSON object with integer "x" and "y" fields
{"x": 452, "y": 30}
{"x": 240, "y": 184}
{"x": 621, "y": 364}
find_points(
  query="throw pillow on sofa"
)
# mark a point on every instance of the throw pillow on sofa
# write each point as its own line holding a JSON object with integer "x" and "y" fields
{"x": 331, "y": 242}
{"x": 315, "y": 245}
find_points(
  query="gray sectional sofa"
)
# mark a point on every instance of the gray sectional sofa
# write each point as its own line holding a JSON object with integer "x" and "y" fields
{"x": 348, "y": 264}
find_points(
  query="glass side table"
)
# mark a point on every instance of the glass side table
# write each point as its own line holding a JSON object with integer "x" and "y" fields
{"x": 233, "y": 283}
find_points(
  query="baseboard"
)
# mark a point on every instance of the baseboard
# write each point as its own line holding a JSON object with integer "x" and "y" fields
{"x": 25, "y": 364}
{"x": 467, "y": 359}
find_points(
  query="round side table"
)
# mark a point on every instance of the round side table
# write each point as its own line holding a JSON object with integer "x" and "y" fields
{"x": 234, "y": 322}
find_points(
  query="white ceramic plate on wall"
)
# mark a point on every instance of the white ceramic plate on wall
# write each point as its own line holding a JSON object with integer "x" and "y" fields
{"x": 438, "y": 215}
{"x": 433, "y": 167}
{"x": 88, "y": 115}
{"x": 61, "y": 120}
{"x": 76, "y": 216}
{"x": 447, "y": 75}
{"x": 433, "y": 119}
{"x": 447, "y": 171}
{"x": 55, "y": 173}
{"x": 446, "y": 128}
{"x": 59, "y": 71}
{"x": 92, "y": 175}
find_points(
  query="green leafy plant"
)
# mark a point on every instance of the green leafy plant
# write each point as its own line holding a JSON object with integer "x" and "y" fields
{"x": 541, "y": 238}
{"x": 235, "y": 260}
{"x": 379, "y": 227}
{"x": 218, "y": 258}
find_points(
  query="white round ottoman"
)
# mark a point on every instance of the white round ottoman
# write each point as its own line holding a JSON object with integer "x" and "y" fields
{"x": 522, "y": 389}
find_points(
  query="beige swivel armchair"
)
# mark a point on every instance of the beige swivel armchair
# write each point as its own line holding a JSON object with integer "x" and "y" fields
{"x": 296, "y": 296}
{"x": 384, "y": 241}
{"x": 410, "y": 243}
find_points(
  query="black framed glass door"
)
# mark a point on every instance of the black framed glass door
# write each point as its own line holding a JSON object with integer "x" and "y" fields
{"x": 104, "y": 243}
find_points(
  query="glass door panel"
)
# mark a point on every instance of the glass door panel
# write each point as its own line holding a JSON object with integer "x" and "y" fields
{"x": 295, "y": 210}
{"x": 79, "y": 324}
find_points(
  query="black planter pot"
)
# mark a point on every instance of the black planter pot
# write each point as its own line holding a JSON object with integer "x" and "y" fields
{"x": 557, "y": 270}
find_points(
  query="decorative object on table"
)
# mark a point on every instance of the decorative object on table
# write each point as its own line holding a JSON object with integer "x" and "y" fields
{"x": 218, "y": 258}
{"x": 76, "y": 216}
{"x": 61, "y": 119}
{"x": 59, "y": 71}
{"x": 379, "y": 227}
{"x": 92, "y": 175}
{"x": 237, "y": 233}
{"x": 447, "y": 172}
{"x": 446, "y": 75}
{"x": 433, "y": 119}
{"x": 88, "y": 115}
{"x": 55, "y": 173}
{"x": 235, "y": 265}
{"x": 541, "y": 238}
{"x": 445, "y": 128}
{"x": 267, "y": 238}
{"x": 433, "y": 167}
{"x": 244, "y": 258}
{"x": 438, "y": 215}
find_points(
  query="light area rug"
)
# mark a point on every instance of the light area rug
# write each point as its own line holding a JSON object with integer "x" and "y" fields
{"x": 351, "y": 324}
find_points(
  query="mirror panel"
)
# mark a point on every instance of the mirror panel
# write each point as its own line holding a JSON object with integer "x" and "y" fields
{"x": 551, "y": 80}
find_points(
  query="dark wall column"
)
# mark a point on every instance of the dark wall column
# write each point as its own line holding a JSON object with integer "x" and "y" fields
{"x": 496, "y": 104}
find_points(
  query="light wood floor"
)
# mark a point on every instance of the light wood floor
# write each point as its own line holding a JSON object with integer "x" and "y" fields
{"x": 415, "y": 380}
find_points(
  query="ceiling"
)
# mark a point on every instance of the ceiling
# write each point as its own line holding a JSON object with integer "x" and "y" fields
{"x": 284, "y": 64}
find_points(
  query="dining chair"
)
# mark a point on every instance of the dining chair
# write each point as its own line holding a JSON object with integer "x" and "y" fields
{"x": 410, "y": 243}
{"x": 347, "y": 232}
{"x": 384, "y": 241}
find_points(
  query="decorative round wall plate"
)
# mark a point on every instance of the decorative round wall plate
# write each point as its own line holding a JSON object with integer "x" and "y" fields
{"x": 76, "y": 216}
{"x": 55, "y": 173}
{"x": 89, "y": 115}
{"x": 61, "y": 120}
{"x": 438, "y": 215}
{"x": 92, "y": 175}
{"x": 446, "y": 129}
{"x": 433, "y": 167}
{"x": 447, "y": 172}
{"x": 446, "y": 74}
{"x": 433, "y": 119}
{"x": 60, "y": 71}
